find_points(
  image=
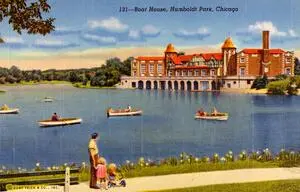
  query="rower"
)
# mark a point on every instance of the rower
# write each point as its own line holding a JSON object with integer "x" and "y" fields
{"x": 55, "y": 117}
{"x": 214, "y": 112}
{"x": 4, "y": 107}
{"x": 129, "y": 108}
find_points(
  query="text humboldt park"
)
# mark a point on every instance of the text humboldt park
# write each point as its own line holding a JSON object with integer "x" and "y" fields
{"x": 184, "y": 9}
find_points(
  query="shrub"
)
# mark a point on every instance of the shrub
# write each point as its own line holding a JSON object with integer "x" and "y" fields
{"x": 260, "y": 82}
{"x": 278, "y": 87}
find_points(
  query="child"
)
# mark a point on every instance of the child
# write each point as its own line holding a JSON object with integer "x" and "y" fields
{"x": 101, "y": 173}
{"x": 113, "y": 177}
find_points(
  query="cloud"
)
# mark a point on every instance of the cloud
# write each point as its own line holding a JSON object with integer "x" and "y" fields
{"x": 201, "y": 33}
{"x": 99, "y": 40}
{"x": 111, "y": 24}
{"x": 65, "y": 31}
{"x": 53, "y": 44}
{"x": 150, "y": 31}
{"x": 252, "y": 34}
{"x": 13, "y": 42}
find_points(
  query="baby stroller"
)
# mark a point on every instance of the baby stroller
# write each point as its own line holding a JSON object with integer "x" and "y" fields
{"x": 113, "y": 180}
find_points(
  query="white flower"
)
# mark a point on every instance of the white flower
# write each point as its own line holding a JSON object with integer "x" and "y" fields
{"x": 230, "y": 152}
{"x": 65, "y": 164}
{"x": 53, "y": 167}
{"x": 196, "y": 159}
{"x": 216, "y": 155}
{"x": 37, "y": 164}
{"x": 3, "y": 167}
{"x": 48, "y": 168}
{"x": 244, "y": 152}
{"x": 19, "y": 168}
{"x": 223, "y": 159}
{"x": 127, "y": 161}
{"x": 181, "y": 161}
{"x": 131, "y": 164}
{"x": 282, "y": 150}
{"x": 257, "y": 152}
{"x": 292, "y": 152}
{"x": 147, "y": 164}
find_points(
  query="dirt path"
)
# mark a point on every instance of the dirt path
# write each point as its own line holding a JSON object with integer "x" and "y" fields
{"x": 199, "y": 179}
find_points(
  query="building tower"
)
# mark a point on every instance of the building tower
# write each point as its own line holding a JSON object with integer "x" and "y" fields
{"x": 229, "y": 51}
{"x": 266, "y": 52}
{"x": 170, "y": 54}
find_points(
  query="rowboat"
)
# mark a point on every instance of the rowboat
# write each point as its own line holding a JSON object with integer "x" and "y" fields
{"x": 123, "y": 112}
{"x": 48, "y": 99}
{"x": 60, "y": 122}
{"x": 9, "y": 111}
{"x": 218, "y": 116}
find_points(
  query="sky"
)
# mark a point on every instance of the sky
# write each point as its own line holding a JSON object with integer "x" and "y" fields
{"x": 87, "y": 32}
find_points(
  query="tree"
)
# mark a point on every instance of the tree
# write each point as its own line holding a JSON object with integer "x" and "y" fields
{"x": 26, "y": 16}
{"x": 74, "y": 77}
{"x": 297, "y": 66}
{"x": 260, "y": 82}
{"x": 126, "y": 66}
{"x": 181, "y": 53}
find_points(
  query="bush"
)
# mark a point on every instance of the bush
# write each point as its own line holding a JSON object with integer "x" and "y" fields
{"x": 260, "y": 82}
{"x": 278, "y": 87}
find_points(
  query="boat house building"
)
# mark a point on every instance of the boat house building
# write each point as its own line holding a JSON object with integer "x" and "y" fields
{"x": 228, "y": 68}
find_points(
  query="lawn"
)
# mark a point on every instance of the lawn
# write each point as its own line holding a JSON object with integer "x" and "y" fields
{"x": 88, "y": 86}
{"x": 199, "y": 167}
{"x": 36, "y": 83}
{"x": 266, "y": 186}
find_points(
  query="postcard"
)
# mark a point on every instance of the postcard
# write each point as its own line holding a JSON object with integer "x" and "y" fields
{"x": 138, "y": 95}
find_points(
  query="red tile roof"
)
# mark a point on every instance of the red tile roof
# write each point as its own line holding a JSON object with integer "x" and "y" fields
{"x": 150, "y": 58}
{"x": 258, "y": 51}
{"x": 208, "y": 56}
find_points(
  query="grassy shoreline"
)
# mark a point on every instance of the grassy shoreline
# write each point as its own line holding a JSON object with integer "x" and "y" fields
{"x": 263, "y": 186}
{"x": 36, "y": 83}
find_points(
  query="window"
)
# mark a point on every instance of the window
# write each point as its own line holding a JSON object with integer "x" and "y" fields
{"x": 254, "y": 55}
{"x": 248, "y": 82}
{"x": 288, "y": 60}
{"x": 228, "y": 85}
{"x": 134, "y": 64}
{"x": 190, "y": 73}
{"x": 196, "y": 73}
{"x": 203, "y": 72}
{"x": 151, "y": 68}
{"x": 184, "y": 73}
{"x": 288, "y": 71}
{"x": 169, "y": 73}
{"x": 134, "y": 73}
{"x": 143, "y": 68}
{"x": 159, "y": 68}
{"x": 242, "y": 60}
{"x": 212, "y": 72}
{"x": 242, "y": 71}
{"x": 177, "y": 73}
{"x": 234, "y": 82}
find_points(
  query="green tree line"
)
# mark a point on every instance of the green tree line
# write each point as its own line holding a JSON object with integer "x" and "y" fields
{"x": 107, "y": 75}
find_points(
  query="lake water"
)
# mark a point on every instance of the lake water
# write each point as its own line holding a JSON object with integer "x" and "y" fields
{"x": 166, "y": 128}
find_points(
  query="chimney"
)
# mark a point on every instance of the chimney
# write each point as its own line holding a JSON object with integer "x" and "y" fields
{"x": 265, "y": 39}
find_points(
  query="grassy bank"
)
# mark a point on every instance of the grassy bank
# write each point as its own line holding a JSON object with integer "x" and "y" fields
{"x": 36, "y": 83}
{"x": 88, "y": 86}
{"x": 187, "y": 163}
{"x": 2, "y": 91}
{"x": 266, "y": 186}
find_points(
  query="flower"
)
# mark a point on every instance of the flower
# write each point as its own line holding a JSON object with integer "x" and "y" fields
{"x": 147, "y": 164}
{"x": 216, "y": 155}
{"x": 49, "y": 168}
{"x": 230, "y": 152}
{"x": 282, "y": 150}
{"x": 65, "y": 164}
{"x": 181, "y": 161}
{"x": 196, "y": 159}
{"x": 37, "y": 164}
{"x": 127, "y": 161}
{"x": 223, "y": 159}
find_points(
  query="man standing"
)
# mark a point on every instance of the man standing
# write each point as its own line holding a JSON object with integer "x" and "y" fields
{"x": 93, "y": 153}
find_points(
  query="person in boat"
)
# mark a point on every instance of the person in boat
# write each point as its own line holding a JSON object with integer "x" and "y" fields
{"x": 128, "y": 108}
{"x": 94, "y": 156}
{"x": 55, "y": 117}
{"x": 201, "y": 112}
{"x": 214, "y": 112}
{"x": 4, "y": 107}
